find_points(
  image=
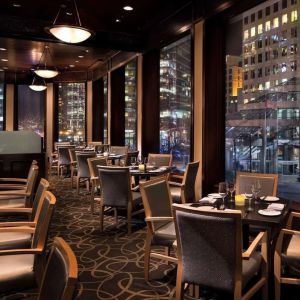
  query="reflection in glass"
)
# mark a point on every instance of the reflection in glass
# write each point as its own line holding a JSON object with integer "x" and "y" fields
{"x": 71, "y": 112}
{"x": 176, "y": 100}
{"x": 105, "y": 106}
{"x": 130, "y": 105}
{"x": 1, "y": 106}
{"x": 31, "y": 110}
{"x": 262, "y": 99}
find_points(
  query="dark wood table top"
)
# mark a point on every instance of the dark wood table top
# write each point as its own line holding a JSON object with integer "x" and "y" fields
{"x": 150, "y": 171}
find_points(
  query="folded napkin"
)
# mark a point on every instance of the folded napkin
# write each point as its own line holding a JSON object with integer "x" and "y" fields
{"x": 276, "y": 206}
{"x": 207, "y": 200}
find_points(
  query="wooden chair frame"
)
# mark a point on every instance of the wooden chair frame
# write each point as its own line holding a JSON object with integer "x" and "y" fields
{"x": 256, "y": 175}
{"x": 154, "y": 155}
{"x": 277, "y": 257}
{"x": 150, "y": 220}
{"x": 261, "y": 238}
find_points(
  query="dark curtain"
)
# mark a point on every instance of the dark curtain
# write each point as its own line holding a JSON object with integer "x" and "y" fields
{"x": 98, "y": 110}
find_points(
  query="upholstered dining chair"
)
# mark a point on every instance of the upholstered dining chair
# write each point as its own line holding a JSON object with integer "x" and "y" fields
{"x": 96, "y": 145}
{"x": 73, "y": 164}
{"x": 209, "y": 250}
{"x": 64, "y": 160}
{"x": 21, "y": 269}
{"x": 184, "y": 192}
{"x": 20, "y": 197}
{"x": 131, "y": 157}
{"x": 83, "y": 172}
{"x": 160, "y": 226}
{"x": 116, "y": 193}
{"x": 26, "y": 234}
{"x": 17, "y": 183}
{"x": 269, "y": 183}
{"x": 287, "y": 255}
{"x": 95, "y": 181}
{"x": 121, "y": 150}
{"x": 53, "y": 159}
{"x": 160, "y": 160}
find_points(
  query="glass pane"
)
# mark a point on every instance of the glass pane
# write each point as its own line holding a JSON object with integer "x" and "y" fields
{"x": 31, "y": 110}
{"x": 262, "y": 96}
{"x": 71, "y": 112}
{"x": 105, "y": 136}
{"x": 176, "y": 101}
{"x": 1, "y": 106}
{"x": 130, "y": 105}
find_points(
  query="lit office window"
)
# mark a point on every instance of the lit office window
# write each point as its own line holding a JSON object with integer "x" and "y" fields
{"x": 260, "y": 29}
{"x": 71, "y": 112}
{"x": 1, "y": 106}
{"x": 284, "y": 19}
{"x": 262, "y": 117}
{"x": 130, "y": 105}
{"x": 252, "y": 31}
{"x": 176, "y": 100}
{"x": 105, "y": 108}
{"x": 246, "y": 34}
{"x": 294, "y": 16}
{"x": 31, "y": 110}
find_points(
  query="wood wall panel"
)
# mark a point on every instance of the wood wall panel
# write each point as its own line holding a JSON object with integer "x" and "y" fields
{"x": 98, "y": 109}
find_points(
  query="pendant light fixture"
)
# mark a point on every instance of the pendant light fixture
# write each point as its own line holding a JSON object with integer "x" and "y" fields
{"x": 70, "y": 33}
{"x": 38, "y": 84}
{"x": 44, "y": 71}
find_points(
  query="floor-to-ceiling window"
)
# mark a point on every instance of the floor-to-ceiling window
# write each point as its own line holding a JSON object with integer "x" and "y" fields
{"x": 1, "y": 106}
{"x": 105, "y": 110}
{"x": 71, "y": 112}
{"x": 176, "y": 100}
{"x": 31, "y": 110}
{"x": 130, "y": 105}
{"x": 263, "y": 93}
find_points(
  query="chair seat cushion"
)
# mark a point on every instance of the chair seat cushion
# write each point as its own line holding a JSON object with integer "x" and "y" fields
{"x": 291, "y": 257}
{"x": 164, "y": 235}
{"x": 16, "y": 272}
{"x": 15, "y": 240}
{"x": 14, "y": 202}
{"x": 176, "y": 194}
{"x": 251, "y": 267}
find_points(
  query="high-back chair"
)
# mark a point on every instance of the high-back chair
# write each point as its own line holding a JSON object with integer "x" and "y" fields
{"x": 83, "y": 171}
{"x": 116, "y": 193}
{"x": 63, "y": 158}
{"x": 287, "y": 255}
{"x": 93, "y": 163}
{"x": 269, "y": 183}
{"x": 209, "y": 251}
{"x": 160, "y": 226}
{"x": 73, "y": 163}
{"x": 53, "y": 159}
{"x": 20, "y": 197}
{"x": 121, "y": 150}
{"x": 131, "y": 157}
{"x": 184, "y": 192}
{"x": 20, "y": 234}
{"x": 160, "y": 160}
{"x": 59, "y": 277}
{"x": 96, "y": 145}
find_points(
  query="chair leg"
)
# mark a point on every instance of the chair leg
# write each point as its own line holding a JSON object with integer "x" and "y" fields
{"x": 92, "y": 198}
{"x": 101, "y": 216}
{"x": 277, "y": 289}
{"x": 179, "y": 283}
{"x": 72, "y": 176}
{"x": 167, "y": 252}
{"x": 77, "y": 184}
{"x": 115, "y": 215}
{"x": 87, "y": 184}
{"x": 147, "y": 255}
{"x": 129, "y": 221}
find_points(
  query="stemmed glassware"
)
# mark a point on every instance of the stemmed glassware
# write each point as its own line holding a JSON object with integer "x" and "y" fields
{"x": 256, "y": 188}
{"x": 222, "y": 193}
{"x": 231, "y": 190}
{"x": 249, "y": 196}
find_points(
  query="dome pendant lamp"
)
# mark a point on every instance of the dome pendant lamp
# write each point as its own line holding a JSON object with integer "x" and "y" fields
{"x": 38, "y": 85}
{"x": 68, "y": 33}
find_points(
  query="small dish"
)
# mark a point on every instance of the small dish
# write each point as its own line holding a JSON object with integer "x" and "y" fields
{"x": 269, "y": 212}
{"x": 270, "y": 198}
{"x": 205, "y": 207}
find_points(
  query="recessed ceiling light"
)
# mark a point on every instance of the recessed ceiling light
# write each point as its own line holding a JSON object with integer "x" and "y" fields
{"x": 4, "y": 59}
{"x": 118, "y": 20}
{"x": 77, "y": 61}
{"x": 71, "y": 66}
{"x": 5, "y": 68}
{"x": 128, "y": 8}
{"x": 69, "y": 13}
{"x": 1, "y": 70}
{"x": 80, "y": 56}
{"x": 3, "y": 49}
{"x": 87, "y": 50}
{"x": 17, "y": 5}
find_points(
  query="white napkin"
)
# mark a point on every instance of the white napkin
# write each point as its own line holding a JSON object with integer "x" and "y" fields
{"x": 207, "y": 200}
{"x": 276, "y": 206}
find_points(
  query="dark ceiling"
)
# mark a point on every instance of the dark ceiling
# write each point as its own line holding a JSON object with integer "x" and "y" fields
{"x": 22, "y": 33}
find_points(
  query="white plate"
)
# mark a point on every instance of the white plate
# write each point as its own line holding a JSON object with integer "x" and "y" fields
{"x": 214, "y": 195}
{"x": 270, "y": 198}
{"x": 268, "y": 212}
{"x": 205, "y": 207}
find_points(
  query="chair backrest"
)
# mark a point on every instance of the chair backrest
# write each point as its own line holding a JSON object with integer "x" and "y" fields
{"x": 39, "y": 195}
{"x": 58, "y": 144}
{"x": 61, "y": 273}
{"x": 31, "y": 179}
{"x": 209, "y": 236}
{"x": 130, "y": 156}
{"x": 82, "y": 164}
{"x": 160, "y": 160}
{"x": 269, "y": 183}
{"x": 157, "y": 200}
{"x": 123, "y": 150}
{"x": 72, "y": 154}
{"x": 189, "y": 180}
{"x": 115, "y": 186}
{"x": 94, "y": 162}
{"x": 44, "y": 215}
{"x": 96, "y": 145}
{"x": 64, "y": 155}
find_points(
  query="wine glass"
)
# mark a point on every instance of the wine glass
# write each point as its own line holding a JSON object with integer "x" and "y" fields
{"x": 133, "y": 161}
{"x": 222, "y": 193}
{"x": 231, "y": 190}
{"x": 255, "y": 188}
{"x": 249, "y": 195}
